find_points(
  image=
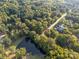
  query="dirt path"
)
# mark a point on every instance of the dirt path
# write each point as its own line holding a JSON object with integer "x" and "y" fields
{"x": 52, "y": 25}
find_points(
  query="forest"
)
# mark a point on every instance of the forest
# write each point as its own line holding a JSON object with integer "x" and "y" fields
{"x": 30, "y": 20}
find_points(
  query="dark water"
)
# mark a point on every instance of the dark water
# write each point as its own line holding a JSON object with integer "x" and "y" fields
{"x": 31, "y": 48}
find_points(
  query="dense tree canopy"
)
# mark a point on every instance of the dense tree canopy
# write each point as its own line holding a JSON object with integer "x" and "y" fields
{"x": 19, "y": 18}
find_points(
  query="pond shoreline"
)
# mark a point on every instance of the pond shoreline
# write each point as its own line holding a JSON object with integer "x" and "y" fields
{"x": 31, "y": 47}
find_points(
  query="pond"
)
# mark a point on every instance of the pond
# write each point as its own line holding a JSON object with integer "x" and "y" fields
{"x": 31, "y": 48}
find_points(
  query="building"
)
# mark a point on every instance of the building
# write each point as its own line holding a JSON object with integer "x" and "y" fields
{"x": 60, "y": 28}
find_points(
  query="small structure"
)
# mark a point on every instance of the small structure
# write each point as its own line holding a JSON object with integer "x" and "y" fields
{"x": 1, "y": 36}
{"x": 60, "y": 28}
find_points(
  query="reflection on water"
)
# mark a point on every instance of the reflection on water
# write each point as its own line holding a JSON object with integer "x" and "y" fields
{"x": 30, "y": 47}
